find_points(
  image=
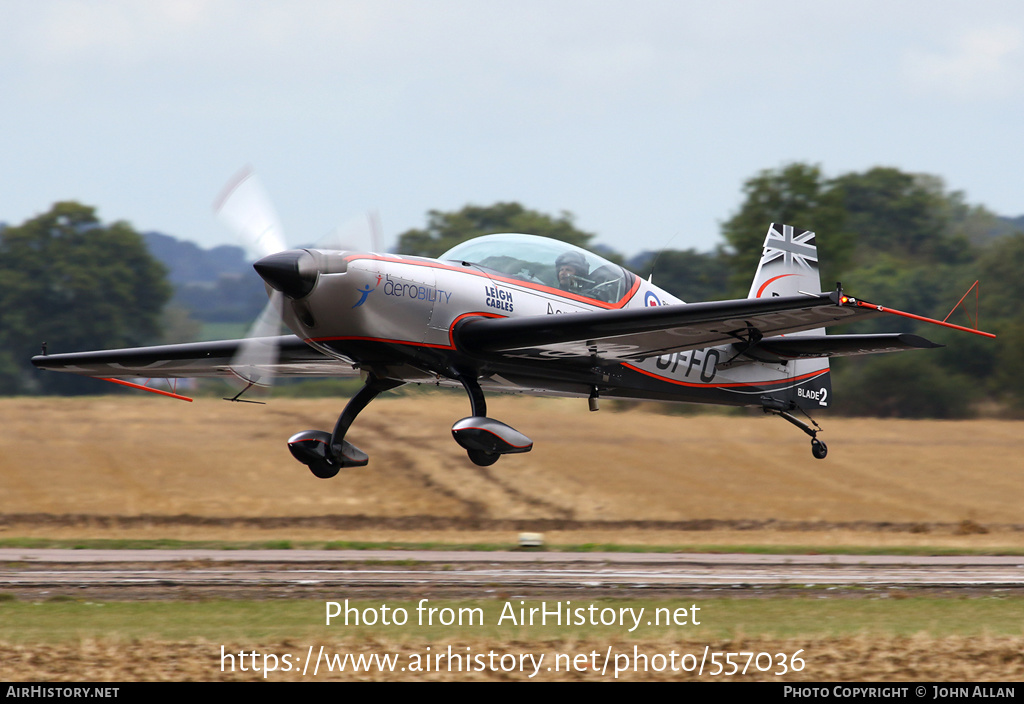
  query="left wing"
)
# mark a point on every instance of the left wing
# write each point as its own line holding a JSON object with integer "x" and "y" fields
{"x": 195, "y": 359}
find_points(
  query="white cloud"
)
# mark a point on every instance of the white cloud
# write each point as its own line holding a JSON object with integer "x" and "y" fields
{"x": 979, "y": 64}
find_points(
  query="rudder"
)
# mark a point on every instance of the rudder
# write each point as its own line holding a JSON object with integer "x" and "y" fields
{"x": 789, "y": 267}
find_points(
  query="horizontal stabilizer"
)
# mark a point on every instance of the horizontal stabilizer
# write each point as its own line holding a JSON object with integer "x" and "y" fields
{"x": 772, "y": 349}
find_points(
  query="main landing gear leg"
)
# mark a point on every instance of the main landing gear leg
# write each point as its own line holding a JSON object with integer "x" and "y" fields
{"x": 485, "y": 439}
{"x": 326, "y": 453}
{"x": 818, "y": 448}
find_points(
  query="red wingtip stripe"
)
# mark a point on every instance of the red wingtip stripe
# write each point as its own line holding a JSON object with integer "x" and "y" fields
{"x": 145, "y": 388}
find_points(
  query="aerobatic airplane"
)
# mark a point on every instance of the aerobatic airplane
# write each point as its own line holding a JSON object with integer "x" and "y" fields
{"x": 521, "y": 314}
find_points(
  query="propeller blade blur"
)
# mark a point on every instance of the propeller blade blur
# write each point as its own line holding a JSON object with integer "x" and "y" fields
{"x": 245, "y": 208}
{"x": 259, "y": 352}
{"x": 361, "y": 234}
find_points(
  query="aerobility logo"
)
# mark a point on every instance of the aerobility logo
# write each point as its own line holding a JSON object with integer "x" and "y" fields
{"x": 402, "y": 289}
{"x": 365, "y": 292}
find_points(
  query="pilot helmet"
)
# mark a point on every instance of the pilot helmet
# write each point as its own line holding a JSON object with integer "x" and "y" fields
{"x": 574, "y": 259}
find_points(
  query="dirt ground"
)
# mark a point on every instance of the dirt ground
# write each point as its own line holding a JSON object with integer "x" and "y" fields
{"x": 857, "y": 658}
{"x": 153, "y": 467}
{"x": 140, "y": 467}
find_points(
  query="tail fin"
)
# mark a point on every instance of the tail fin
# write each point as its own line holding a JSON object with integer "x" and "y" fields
{"x": 789, "y": 266}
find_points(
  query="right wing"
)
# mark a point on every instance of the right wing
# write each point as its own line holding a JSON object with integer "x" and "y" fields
{"x": 632, "y": 334}
{"x": 195, "y": 359}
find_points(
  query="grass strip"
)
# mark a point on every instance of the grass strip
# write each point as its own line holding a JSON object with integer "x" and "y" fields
{"x": 170, "y": 544}
{"x": 500, "y": 618}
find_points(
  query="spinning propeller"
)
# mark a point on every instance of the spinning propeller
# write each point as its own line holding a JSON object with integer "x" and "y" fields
{"x": 245, "y": 208}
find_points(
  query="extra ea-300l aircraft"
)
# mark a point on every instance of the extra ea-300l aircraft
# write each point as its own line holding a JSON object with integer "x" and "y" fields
{"x": 521, "y": 314}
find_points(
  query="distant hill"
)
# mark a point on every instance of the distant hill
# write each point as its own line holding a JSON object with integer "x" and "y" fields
{"x": 188, "y": 262}
{"x": 219, "y": 285}
{"x": 215, "y": 285}
{"x": 1016, "y": 223}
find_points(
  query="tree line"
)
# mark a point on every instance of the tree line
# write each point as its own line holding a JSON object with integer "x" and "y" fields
{"x": 69, "y": 280}
{"x": 892, "y": 237}
{"x": 902, "y": 240}
{"x": 896, "y": 238}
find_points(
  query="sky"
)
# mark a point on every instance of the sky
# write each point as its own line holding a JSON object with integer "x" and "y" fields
{"x": 643, "y": 118}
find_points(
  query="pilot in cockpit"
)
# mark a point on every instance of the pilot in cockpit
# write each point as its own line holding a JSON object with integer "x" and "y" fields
{"x": 572, "y": 267}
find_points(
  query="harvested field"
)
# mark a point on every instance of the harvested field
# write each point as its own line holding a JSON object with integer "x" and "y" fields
{"x": 151, "y": 467}
{"x": 138, "y": 467}
{"x": 832, "y": 659}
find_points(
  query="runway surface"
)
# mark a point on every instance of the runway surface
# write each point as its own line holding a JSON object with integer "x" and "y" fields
{"x": 250, "y": 573}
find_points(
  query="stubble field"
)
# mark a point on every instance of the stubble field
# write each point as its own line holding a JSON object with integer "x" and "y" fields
{"x": 91, "y": 467}
{"x": 146, "y": 468}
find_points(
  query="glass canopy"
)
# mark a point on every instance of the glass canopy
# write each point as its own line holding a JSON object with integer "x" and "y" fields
{"x": 551, "y": 263}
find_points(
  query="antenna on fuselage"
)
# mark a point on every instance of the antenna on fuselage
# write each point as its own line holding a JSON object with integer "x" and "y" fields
{"x": 650, "y": 277}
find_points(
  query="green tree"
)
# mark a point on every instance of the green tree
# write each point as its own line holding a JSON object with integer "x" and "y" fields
{"x": 901, "y": 240}
{"x": 1007, "y": 379}
{"x": 446, "y": 229}
{"x": 902, "y": 385}
{"x": 799, "y": 195}
{"x": 1000, "y": 267}
{"x": 909, "y": 215}
{"x": 68, "y": 280}
{"x": 1002, "y": 290}
{"x": 691, "y": 275}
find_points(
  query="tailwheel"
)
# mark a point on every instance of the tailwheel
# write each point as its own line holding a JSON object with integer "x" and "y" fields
{"x": 818, "y": 449}
{"x": 481, "y": 458}
{"x": 779, "y": 408}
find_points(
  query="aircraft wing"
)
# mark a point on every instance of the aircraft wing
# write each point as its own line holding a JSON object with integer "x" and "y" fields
{"x": 195, "y": 359}
{"x": 634, "y": 334}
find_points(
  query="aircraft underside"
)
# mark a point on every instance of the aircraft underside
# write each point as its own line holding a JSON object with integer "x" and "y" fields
{"x": 485, "y": 439}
